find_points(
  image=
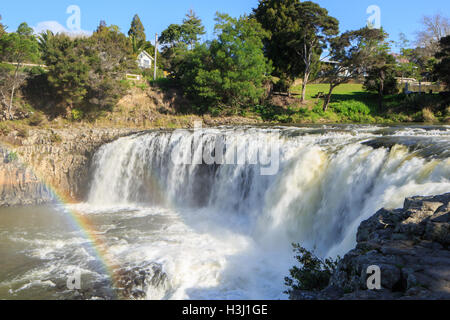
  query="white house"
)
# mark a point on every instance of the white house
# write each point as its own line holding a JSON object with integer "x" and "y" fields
{"x": 344, "y": 73}
{"x": 145, "y": 60}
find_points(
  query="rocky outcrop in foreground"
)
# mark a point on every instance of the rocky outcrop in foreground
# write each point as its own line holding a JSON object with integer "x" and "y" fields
{"x": 57, "y": 159}
{"x": 411, "y": 247}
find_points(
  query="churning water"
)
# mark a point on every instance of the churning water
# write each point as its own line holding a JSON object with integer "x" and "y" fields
{"x": 222, "y": 230}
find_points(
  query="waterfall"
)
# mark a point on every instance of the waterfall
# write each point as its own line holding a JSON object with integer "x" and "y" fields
{"x": 328, "y": 179}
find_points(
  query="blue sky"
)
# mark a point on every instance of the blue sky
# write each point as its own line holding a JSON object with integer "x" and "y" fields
{"x": 396, "y": 15}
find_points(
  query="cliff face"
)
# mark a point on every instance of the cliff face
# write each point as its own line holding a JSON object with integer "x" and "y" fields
{"x": 411, "y": 247}
{"x": 57, "y": 158}
{"x": 18, "y": 183}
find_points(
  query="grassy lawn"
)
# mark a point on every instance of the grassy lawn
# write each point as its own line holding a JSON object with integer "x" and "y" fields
{"x": 345, "y": 89}
{"x": 350, "y": 103}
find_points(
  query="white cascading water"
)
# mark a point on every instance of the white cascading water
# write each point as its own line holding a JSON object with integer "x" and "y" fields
{"x": 227, "y": 229}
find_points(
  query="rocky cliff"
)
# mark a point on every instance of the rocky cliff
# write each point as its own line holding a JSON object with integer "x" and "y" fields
{"x": 409, "y": 245}
{"x": 59, "y": 159}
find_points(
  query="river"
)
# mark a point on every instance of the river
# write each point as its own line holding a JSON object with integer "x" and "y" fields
{"x": 168, "y": 216}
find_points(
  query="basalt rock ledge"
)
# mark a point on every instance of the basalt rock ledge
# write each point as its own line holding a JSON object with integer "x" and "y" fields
{"x": 411, "y": 247}
{"x": 49, "y": 161}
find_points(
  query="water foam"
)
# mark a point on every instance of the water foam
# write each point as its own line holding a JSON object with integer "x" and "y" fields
{"x": 225, "y": 231}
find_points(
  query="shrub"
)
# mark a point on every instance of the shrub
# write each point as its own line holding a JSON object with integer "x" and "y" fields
{"x": 12, "y": 156}
{"x": 22, "y": 132}
{"x": 215, "y": 111}
{"x": 35, "y": 120}
{"x": 142, "y": 86}
{"x": 77, "y": 114}
{"x": 351, "y": 107}
{"x": 4, "y": 129}
{"x": 390, "y": 86}
{"x": 282, "y": 85}
{"x": 55, "y": 138}
{"x": 163, "y": 83}
{"x": 428, "y": 115}
{"x": 313, "y": 274}
{"x": 149, "y": 74}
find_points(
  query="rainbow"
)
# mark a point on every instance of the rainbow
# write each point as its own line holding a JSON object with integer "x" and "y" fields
{"x": 85, "y": 225}
{"x": 82, "y": 223}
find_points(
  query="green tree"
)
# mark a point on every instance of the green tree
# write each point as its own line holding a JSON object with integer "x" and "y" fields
{"x": 137, "y": 30}
{"x": 424, "y": 62}
{"x": 43, "y": 39}
{"x": 187, "y": 33}
{"x": 407, "y": 68}
{"x": 315, "y": 27}
{"x": 171, "y": 36}
{"x": 177, "y": 40}
{"x": 442, "y": 68}
{"x": 68, "y": 70}
{"x": 350, "y": 54}
{"x": 86, "y": 73}
{"x": 382, "y": 67}
{"x": 382, "y": 76}
{"x": 24, "y": 30}
{"x": 17, "y": 48}
{"x": 231, "y": 71}
{"x": 110, "y": 57}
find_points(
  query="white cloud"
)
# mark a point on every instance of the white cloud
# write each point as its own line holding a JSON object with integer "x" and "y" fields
{"x": 56, "y": 27}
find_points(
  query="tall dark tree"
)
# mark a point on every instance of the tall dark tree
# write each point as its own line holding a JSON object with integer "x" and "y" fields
{"x": 192, "y": 29}
{"x": 298, "y": 29}
{"x": 279, "y": 18}
{"x": 137, "y": 30}
{"x": 442, "y": 68}
{"x": 68, "y": 70}
{"x": 111, "y": 56}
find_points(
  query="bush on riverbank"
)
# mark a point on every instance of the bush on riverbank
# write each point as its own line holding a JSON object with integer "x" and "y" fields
{"x": 313, "y": 273}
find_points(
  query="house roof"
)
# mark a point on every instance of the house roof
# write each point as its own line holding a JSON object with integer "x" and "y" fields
{"x": 145, "y": 53}
{"x": 327, "y": 60}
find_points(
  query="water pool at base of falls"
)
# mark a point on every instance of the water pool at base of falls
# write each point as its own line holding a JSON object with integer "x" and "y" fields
{"x": 160, "y": 229}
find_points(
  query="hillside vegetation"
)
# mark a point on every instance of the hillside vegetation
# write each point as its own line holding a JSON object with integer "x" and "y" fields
{"x": 246, "y": 74}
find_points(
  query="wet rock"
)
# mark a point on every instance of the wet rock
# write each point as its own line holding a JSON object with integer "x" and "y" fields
{"x": 135, "y": 282}
{"x": 303, "y": 295}
{"x": 411, "y": 247}
{"x": 331, "y": 293}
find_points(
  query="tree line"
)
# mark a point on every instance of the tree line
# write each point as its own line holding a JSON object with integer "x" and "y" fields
{"x": 287, "y": 40}
{"x": 81, "y": 73}
{"x": 249, "y": 57}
